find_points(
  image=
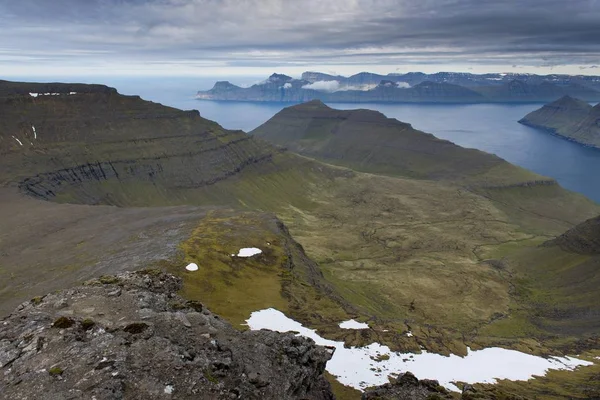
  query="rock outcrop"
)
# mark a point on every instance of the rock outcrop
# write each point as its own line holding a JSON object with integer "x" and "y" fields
{"x": 407, "y": 386}
{"x": 130, "y": 336}
{"x": 570, "y": 118}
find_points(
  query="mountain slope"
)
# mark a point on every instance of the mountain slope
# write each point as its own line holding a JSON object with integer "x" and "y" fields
{"x": 62, "y": 146}
{"x": 368, "y": 141}
{"x": 570, "y": 118}
{"x": 404, "y": 254}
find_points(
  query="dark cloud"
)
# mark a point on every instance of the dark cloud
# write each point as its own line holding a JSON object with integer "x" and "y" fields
{"x": 300, "y": 32}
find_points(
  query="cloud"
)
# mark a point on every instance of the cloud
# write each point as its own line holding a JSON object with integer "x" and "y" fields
{"x": 323, "y": 86}
{"x": 287, "y": 85}
{"x": 174, "y": 35}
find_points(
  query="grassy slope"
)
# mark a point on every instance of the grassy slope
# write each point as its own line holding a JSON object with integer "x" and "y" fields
{"x": 568, "y": 117}
{"x": 398, "y": 252}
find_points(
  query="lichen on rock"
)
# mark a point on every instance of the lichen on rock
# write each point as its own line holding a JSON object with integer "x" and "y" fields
{"x": 136, "y": 345}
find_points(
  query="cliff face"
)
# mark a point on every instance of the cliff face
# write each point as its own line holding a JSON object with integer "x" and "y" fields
{"x": 570, "y": 118}
{"x": 65, "y": 146}
{"x": 131, "y": 336}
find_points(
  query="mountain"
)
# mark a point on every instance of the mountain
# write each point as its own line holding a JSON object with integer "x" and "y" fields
{"x": 521, "y": 91}
{"x": 62, "y": 146}
{"x": 93, "y": 182}
{"x": 442, "y": 87}
{"x": 570, "y": 118}
{"x": 368, "y": 141}
{"x": 132, "y": 336}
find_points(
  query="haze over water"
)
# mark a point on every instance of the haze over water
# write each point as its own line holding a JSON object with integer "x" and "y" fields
{"x": 489, "y": 127}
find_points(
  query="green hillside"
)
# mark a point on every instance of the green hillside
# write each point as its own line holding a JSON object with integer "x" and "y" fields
{"x": 570, "y": 118}
{"x": 360, "y": 216}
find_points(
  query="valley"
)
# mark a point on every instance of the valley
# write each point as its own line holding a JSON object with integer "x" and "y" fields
{"x": 358, "y": 216}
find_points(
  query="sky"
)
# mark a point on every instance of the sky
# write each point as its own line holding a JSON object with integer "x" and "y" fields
{"x": 259, "y": 37}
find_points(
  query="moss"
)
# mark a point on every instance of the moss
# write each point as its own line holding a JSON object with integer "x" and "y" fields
{"x": 37, "y": 300}
{"x": 210, "y": 377}
{"x": 196, "y": 305}
{"x": 342, "y": 392}
{"x": 55, "y": 371}
{"x": 63, "y": 323}
{"x": 150, "y": 271}
{"x": 382, "y": 357}
{"x": 108, "y": 280}
{"x": 87, "y": 324}
{"x": 177, "y": 305}
{"x": 136, "y": 328}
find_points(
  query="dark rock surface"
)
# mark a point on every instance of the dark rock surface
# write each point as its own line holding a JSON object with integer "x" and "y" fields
{"x": 130, "y": 336}
{"x": 407, "y": 386}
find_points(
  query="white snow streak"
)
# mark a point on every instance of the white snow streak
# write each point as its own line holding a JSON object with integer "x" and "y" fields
{"x": 352, "y": 324}
{"x": 192, "y": 267}
{"x": 249, "y": 252}
{"x": 18, "y": 141}
{"x": 361, "y": 367}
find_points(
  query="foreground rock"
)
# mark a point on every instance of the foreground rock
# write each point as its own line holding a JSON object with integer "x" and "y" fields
{"x": 407, "y": 386}
{"x": 131, "y": 336}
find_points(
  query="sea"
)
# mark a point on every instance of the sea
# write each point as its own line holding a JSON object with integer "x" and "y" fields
{"x": 489, "y": 127}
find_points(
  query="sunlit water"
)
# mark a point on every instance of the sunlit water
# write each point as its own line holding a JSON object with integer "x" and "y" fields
{"x": 488, "y": 127}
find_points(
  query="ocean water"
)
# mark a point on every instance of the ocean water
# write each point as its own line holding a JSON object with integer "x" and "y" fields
{"x": 489, "y": 127}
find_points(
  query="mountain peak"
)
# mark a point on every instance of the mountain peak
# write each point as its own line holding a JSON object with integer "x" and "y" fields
{"x": 279, "y": 78}
{"x": 314, "y": 104}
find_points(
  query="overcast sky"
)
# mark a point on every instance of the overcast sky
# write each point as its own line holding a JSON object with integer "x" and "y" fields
{"x": 257, "y": 37}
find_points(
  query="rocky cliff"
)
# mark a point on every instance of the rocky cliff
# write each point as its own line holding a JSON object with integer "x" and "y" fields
{"x": 130, "y": 336}
{"x": 570, "y": 118}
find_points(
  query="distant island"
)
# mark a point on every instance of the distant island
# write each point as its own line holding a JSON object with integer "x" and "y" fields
{"x": 414, "y": 87}
{"x": 570, "y": 118}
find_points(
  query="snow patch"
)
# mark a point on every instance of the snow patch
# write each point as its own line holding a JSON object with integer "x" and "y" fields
{"x": 409, "y": 334}
{"x": 34, "y": 94}
{"x": 249, "y": 252}
{"x": 169, "y": 389}
{"x": 352, "y": 324}
{"x": 192, "y": 267}
{"x": 287, "y": 85}
{"x": 353, "y": 366}
{"x": 18, "y": 141}
{"x": 34, "y": 132}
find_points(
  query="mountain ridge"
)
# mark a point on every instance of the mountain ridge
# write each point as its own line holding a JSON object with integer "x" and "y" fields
{"x": 570, "y": 118}
{"x": 443, "y": 87}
